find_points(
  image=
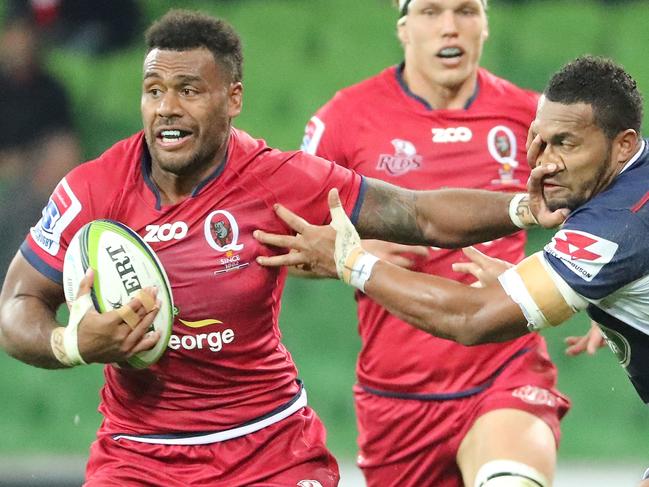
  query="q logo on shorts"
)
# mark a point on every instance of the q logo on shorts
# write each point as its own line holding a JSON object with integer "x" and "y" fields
{"x": 222, "y": 232}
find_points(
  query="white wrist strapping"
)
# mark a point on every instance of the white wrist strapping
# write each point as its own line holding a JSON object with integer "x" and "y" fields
{"x": 353, "y": 264}
{"x": 521, "y": 215}
{"x": 64, "y": 341}
{"x": 360, "y": 269}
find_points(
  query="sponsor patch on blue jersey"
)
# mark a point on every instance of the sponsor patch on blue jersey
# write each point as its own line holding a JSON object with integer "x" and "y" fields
{"x": 583, "y": 253}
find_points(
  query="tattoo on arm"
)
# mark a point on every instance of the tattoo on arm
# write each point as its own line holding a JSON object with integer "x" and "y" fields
{"x": 524, "y": 212}
{"x": 389, "y": 213}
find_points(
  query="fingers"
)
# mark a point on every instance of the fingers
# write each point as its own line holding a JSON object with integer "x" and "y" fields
{"x": 290, "y": 259}
{"x": 538, "y": 174}
{"x": 140, "y": 338}
{"x": 276, "y": 240}
{"x": 86, "y": 283}
{"x": 576, "y": 345}
{"x": 293, "y": 220}
{"x": 466, "y": 268}
{"x": 476, "y": 256}
{"x": 334, "y": 199}
{"x": 534, "y": 149}
{"x": 531, "y": 134}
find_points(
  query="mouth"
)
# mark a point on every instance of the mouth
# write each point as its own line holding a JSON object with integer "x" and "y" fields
{"x": 551, "y": 186}
{"x": 172, "y": 137}
{"x": 450, "y": 54}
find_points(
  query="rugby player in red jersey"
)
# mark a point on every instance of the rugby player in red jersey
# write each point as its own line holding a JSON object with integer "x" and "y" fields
{"x": 431, "y": 411}
{"x": 223, "y": 406}
{"x": 586, "y": 133}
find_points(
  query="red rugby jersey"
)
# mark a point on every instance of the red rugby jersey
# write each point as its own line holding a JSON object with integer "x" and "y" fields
{"x": 232, "y": 368}
{"x": 380, "y": 129}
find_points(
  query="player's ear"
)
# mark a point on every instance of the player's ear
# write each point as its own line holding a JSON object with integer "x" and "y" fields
{"x": 625, "y": 145}
{"x": 235, "y": 99}
{"x": 401, "y": 30}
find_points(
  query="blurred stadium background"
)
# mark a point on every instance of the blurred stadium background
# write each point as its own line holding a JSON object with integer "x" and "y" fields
{"x": 297, "y": 54}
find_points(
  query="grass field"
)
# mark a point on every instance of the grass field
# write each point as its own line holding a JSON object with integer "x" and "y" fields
{"x": 297, "y": 55}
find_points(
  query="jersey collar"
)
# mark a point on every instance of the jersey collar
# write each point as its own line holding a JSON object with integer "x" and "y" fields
{"x": 406, "y": 89}
{"x": 148, "y": 180}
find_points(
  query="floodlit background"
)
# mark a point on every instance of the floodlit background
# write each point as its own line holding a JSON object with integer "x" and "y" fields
{"x": 297, "y": 54}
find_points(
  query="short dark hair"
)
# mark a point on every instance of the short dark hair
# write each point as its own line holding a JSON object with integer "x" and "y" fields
{"x": 605, "y": 86}
{"x": 180, "y": 30}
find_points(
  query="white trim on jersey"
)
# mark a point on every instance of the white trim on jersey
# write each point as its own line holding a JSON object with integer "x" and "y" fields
{"x": 543, "y": 296}
{"x": 629, "y": 304}
{"x": 634, "y": 158}
{"x": 204, "y": 439}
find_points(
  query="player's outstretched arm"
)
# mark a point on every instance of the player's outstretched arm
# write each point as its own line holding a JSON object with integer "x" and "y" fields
{"x": 442, "y": 218}
{"x": 28, "y": 305}
{"x": 438, "y": 306}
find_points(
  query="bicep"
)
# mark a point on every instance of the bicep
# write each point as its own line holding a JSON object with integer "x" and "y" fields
{"x": 24, "y": 281}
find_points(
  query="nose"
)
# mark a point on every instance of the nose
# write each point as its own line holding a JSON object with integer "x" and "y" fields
{"x": 169, "y": 105}
{"x": 448, "y": 22}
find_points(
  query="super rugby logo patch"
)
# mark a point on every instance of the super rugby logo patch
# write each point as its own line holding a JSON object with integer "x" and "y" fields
{"x": 583, "y": 253}
{"x": 62, "y": 207}
{"x": 312, "y": 134}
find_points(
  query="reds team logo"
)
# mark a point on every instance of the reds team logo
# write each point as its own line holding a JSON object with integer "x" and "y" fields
{"x": 583, "y": 253}
{"x": 404, "y": 159}
{"x": 535, "y": 395}
{"x": 222, "y": 232}
{"x": 312, "y": 135}
{"x": 501, "y": 143}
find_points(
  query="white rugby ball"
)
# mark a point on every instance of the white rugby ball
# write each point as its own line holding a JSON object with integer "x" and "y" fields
{"x": 123, "y": 263}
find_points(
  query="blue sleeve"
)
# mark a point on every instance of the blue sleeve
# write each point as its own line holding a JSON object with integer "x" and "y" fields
{"x": 600, "y": 250}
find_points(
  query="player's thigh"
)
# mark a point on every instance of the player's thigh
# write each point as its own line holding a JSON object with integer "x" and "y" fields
{"x": 508, "y": 434}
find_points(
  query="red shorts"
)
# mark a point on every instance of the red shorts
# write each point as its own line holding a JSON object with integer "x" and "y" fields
{"x": 406, "y": 442}
{"x": 285, "y": 453}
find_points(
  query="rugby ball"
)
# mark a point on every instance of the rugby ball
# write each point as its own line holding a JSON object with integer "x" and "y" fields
{"x": 123, "y": 264}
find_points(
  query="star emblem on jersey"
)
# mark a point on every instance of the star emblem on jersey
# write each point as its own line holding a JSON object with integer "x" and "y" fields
{"x": 404, "y": 159}
{"x": 583, "y": 253}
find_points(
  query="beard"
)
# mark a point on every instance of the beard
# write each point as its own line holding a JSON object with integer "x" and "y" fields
{"x": 586, "y": 190}
{"x": 183, "y": 165}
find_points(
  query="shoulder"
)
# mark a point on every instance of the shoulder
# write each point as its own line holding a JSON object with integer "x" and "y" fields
{"x": 357, "y": 95}
{"x": 600, "y": 249}
{"x": 506, "y": 93}
{"x": 119, "y": 162}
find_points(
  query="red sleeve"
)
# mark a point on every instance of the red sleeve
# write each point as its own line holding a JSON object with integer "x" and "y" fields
{"x": 67, "y": 210}
{"x": 324, "y": 134}
{"x": 301, "y": 182}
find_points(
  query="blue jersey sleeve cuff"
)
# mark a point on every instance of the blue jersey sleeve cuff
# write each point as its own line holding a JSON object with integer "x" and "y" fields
{"x": 40, "y": 265}
{"x": 359, "y": 201}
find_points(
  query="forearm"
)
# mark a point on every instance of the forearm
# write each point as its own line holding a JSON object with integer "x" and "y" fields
{"x": 26, "y": 325}
{"x": 446, "y": 308}
{"x": 443, "y": 218}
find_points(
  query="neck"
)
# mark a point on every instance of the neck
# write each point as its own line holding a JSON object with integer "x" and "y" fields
{"x": 439, "y": 96}
{"x": 175, "y": 187}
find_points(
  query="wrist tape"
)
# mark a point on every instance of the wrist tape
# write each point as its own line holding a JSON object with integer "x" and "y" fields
{"x": 520, "y": 213}
{"x": 64, "y": 340}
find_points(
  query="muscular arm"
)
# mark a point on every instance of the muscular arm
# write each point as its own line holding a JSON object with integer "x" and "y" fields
{"x": 446, "y": 308}
{"x": 28, "y": 305}
{"x": 443, "y": 218}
